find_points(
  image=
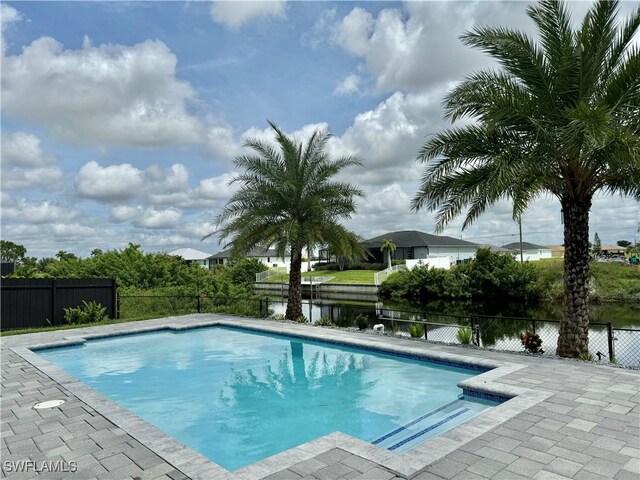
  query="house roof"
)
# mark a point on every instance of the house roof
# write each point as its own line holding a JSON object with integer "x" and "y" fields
{"x": 256, "y": 252}
{"x": 525, "y": 246}
{"x": 190, "y": 254}
{"x": 415, "y": 238}
{"x": 494, "y": 248}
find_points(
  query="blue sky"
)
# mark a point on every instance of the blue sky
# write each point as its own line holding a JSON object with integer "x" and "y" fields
{"x": 120, "y": 120}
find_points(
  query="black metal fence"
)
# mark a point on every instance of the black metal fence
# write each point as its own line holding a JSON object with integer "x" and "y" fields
{"x": 40, "y": 302}
{"x": 606, "y": 343}
{"x": 141, "y": 307}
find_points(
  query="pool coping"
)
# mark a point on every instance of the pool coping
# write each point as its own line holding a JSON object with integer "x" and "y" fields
{"x": 197, "y": 466}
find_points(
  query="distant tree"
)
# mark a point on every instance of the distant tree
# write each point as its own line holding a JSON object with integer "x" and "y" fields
{"x": 95, "y": 252}
{"x": 389, "y": 247}
{"x": 12, "y": 252}
{"x": 43, "y": 262}
{"x": 623, "y": 243}
{"x": 288, "y": 199}
{"x": 62, "y": 255}
{"x": 597, "y": 244}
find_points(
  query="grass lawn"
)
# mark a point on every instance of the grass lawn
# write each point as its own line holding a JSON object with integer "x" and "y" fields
{"x": 612, "y": 282}
{"x": 364, "y": 277}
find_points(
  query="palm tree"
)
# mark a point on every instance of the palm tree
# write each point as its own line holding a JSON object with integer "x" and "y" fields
{"x": 389, "y": 247}
{"x": 561, "y": 117}
{"x": 288, "y": 200}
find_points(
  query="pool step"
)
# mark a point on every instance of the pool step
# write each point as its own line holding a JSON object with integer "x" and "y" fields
{"x": 419, "y": 429}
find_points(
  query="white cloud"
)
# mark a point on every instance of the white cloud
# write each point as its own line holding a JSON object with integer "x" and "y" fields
{"x": 236, "y": 14}
{"x": 71, "y": 230}
{"x": 123, "y": 213}
{"x": 417, "y": 46}
{"x": 115, "y": 182}
{"x": 8, "y": 15}
{"x": 348, "y": 86}
{"x": 47, "y": 178}
{"x": 151, "y": 218}
{"x": 23, "y": 149}
{"x": 106, "y": 95}
{"x": 37, "y": 212}
{"x": 220, "y": 142}
{"x": 216, "y": 188}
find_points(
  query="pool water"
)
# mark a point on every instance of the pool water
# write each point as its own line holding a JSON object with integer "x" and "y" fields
{"x": 238, "y": 396}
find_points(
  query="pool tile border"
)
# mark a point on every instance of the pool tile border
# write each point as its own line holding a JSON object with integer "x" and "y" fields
{"x": 196, "y": 466}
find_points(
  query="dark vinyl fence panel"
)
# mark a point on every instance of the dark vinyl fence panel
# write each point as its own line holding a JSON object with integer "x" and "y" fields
{"x": 38, "y": 302}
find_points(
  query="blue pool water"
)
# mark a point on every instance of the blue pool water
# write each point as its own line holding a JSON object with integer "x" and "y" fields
{"x": 238, "y": 396}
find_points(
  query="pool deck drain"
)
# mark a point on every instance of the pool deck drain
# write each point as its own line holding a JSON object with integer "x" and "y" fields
{"x": 569, "y": 420}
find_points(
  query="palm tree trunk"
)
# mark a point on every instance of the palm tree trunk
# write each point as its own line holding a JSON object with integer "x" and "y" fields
{"x": 294, "y": 302}
{"x": 574, "y": 326}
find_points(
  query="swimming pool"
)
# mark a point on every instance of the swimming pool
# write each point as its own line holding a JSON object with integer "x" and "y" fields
{"x": 239, "y": 396}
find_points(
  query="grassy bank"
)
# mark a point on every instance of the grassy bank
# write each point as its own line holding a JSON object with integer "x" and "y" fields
{"x": 364, "y": 277}
{"x": 610, "y": 282}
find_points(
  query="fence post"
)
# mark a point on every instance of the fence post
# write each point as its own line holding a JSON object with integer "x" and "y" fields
{"x": 267, "y": 303}
{"x": 612, "y": 354}
{"x": 114, "y": 292}
{"x": 54, "y": 294}
{"x": 533, "y": 323}
{"x": 475, "y": 329}
{"x": 117, "y": 305}
{"x": 425, "y": 330}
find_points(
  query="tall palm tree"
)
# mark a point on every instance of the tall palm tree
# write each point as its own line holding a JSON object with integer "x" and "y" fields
{"x": 561, "y": 117}
{"x": 288, "y": 199}
{"x": 389, "y": 247}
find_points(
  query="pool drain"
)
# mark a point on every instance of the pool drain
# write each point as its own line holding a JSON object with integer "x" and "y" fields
{"x": 48, "y": 404}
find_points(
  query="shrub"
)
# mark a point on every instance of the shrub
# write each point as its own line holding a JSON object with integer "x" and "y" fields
{"x": 278, "y": 316}
{"x": 489, "y": 275}
{"x": 325, "y": 322}
{"x": 586, "y": 356}
{"x": 531, "y": 342}
{"x": 416, "y": 330}
{"x": 464, "y": 335}
{"x": 90, "y": 312}
{"x": 302, "y": 319}
{"x": 362, "y": 321}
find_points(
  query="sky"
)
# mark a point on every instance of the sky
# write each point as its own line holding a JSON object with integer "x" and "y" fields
{"x": 121, "y": 120}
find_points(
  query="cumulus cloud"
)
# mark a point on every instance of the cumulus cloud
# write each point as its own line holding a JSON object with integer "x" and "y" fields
{"x": 417, "y": 46}
{"x": 348, "y": 86}
{"x": 105, "y": 95}
{"x": 37, "y": 212}
{"x": 8, "y": 15}
{"x": 234, "y": 15}
{"x": 23, "y": 149}
{"x": 221, "y": 143}
{"x": 71, "y": 230}
{"x": 115, "y": 182}
{"x": 151, "y": 218}
{"x": 47, "y": 178}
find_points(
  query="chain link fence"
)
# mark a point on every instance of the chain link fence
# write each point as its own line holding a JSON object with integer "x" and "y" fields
{"x": 143, "y": 307}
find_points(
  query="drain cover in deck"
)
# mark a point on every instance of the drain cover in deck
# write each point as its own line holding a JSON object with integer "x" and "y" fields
{"x": 48, "y": 404}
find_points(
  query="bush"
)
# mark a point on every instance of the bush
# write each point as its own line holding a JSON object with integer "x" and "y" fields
{"x": 89, "y": 313}
{"x": 531, "y": 342}
{"x": 362, "y": 321}
{"x": 464, "y": 335}
{"x": 489, "y": 275}
{"x": 398, "y": 262}
{"x": 325, "y": 322}
{"x": 416, "y": 330}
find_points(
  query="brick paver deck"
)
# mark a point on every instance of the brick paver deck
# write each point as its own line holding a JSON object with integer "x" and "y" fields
{"x": 589, "y": 428}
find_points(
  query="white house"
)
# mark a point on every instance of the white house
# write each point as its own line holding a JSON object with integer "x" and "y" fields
{"x": 530, "y": 251}
{"x": 191, "y": 255}
{"x": 416, "y": 245}
{"x": 268, "y": 257}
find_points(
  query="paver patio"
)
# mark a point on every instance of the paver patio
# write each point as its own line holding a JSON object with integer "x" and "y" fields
{"x": 588, "y": 428}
